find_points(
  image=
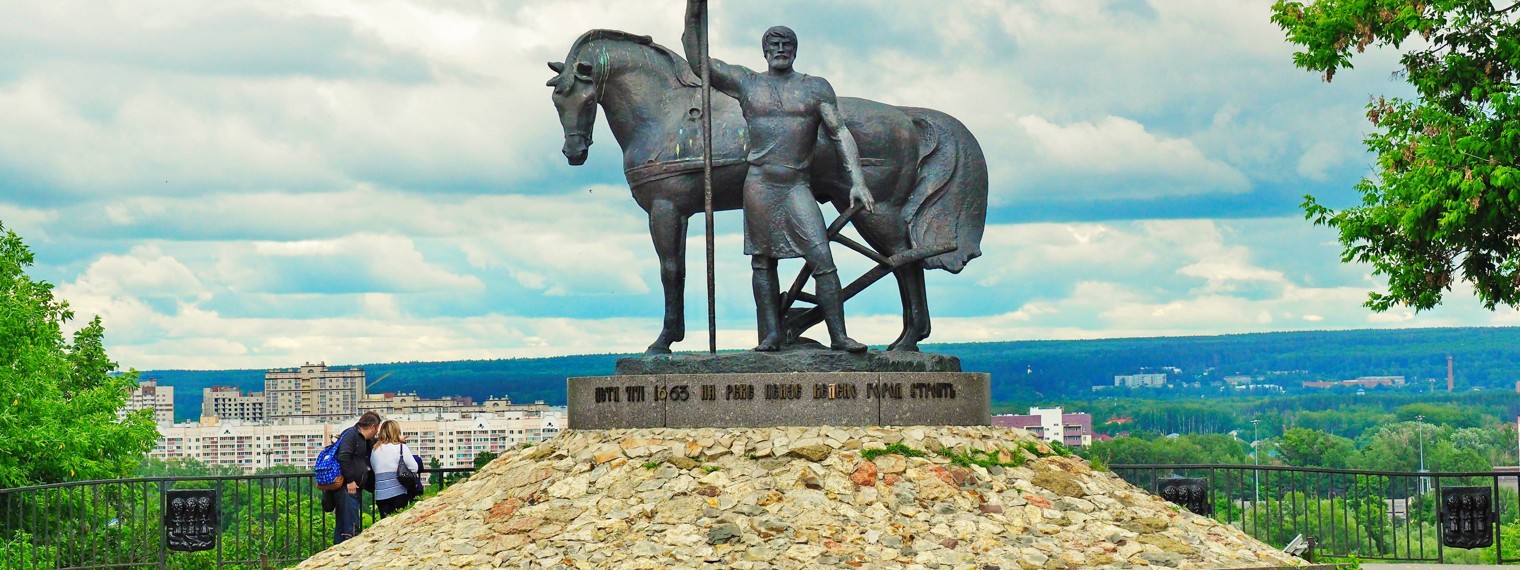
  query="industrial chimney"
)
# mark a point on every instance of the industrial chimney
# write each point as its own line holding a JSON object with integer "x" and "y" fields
{"x": 1450, "y": 377}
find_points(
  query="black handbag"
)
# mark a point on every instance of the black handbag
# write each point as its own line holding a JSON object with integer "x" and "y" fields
{"x": 408, "y": 478}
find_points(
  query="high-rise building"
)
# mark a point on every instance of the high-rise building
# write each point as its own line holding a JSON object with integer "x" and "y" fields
{"x": 148, "y": 395}
{"x": 230, "y": 403}
{"x": 312, "y": 393}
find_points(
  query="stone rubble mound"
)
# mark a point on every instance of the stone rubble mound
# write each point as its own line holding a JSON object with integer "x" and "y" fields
{"x": 927, "y": 497}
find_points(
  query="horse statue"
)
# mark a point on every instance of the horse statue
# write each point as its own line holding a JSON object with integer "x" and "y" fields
{"x": 924, "y": 168}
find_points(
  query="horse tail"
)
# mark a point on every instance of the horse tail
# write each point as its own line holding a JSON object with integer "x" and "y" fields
{"x": 949, "y": 199}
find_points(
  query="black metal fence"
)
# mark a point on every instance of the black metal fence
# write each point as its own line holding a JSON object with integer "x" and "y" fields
{"x": 1370, "y": 515}
{"x": 260, "y": 521}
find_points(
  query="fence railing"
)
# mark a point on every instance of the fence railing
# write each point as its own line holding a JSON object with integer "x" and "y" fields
{"x": 262, "y": 521}
{"x": 1371, "y": 515}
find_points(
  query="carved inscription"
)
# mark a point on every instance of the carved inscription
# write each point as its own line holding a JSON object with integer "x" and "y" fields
{"x": 607, "y": 394}
{"x": 739, "y": 392}
{"x": 933, "y": 390}
{"x": 835, "y": 392}
{"x": 818, "y": 391}
{"x": 783, "y": 391}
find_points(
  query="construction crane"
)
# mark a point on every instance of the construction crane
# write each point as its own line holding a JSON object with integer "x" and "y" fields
{"x": 377, "y": 381}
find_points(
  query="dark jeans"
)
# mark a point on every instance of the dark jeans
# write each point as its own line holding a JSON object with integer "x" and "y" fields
{"x": 348, "y": 516}
{"x": 393, "y": 504}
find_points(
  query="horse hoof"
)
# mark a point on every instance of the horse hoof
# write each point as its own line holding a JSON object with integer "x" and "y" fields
{"x": 903, "y": 347}
{"x": 653, "y": 350}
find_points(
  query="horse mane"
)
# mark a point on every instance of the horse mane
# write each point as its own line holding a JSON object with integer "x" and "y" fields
{"x": 678, "y": 66}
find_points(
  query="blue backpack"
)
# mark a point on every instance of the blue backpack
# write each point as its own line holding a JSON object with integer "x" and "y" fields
{"x": 329, "y": 473}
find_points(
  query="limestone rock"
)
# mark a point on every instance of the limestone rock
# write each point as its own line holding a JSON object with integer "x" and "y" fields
{"x": 784, "y": 498}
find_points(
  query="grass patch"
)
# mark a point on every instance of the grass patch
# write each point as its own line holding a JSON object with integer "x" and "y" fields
{"x": 710, "y": 468}
{"x": 894, "y": 449}
{"x": 1061, "y": 449}
{"x": 984, "y": 459}
{"x": 651, "y": 464}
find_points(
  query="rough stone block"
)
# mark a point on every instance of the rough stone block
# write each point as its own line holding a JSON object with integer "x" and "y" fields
{"x": 761, "y": 400}
{"x": 610, "y": 402}
{"x": 935, "y": 399}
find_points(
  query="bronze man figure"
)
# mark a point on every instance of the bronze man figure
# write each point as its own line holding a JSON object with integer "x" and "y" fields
{"x": 783, "y": 110}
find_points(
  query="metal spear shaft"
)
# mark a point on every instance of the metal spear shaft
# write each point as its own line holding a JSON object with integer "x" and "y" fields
{"x": 707, "y": 191}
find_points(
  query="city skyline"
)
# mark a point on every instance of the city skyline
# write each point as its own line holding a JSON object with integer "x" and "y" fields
{"x": 247, "y": 184}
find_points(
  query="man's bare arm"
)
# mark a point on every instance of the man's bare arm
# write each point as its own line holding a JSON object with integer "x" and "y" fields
{"x": 834, "y": 127}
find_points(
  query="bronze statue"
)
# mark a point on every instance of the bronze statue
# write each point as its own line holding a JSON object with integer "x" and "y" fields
{"x": 783, "y": 110}
{"x": 922, "y": 168}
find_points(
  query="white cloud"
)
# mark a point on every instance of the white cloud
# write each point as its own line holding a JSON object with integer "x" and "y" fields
{"x": 256, "y": 182}
{"x": 1122, "y": 148}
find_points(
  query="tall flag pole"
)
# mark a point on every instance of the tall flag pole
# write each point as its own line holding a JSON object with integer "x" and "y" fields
{"x": 707, "y": 191}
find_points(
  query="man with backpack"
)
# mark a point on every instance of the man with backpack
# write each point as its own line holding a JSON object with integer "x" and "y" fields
{"x": 353, "y": 457}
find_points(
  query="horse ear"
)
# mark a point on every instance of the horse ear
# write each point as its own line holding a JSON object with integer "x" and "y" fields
{"x": 583, "y": 71}
{"x": 552, "y": 82}
{"x": 557, "y": 66}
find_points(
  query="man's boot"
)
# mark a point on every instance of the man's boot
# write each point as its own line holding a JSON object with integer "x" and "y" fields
{"x": 767, "y": 308}
{"x": 833, "y": 312}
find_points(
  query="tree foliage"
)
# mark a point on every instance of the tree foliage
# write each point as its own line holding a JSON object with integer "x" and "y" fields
{"x": 1444, "y": 203}
{"x": 58, "y": 399}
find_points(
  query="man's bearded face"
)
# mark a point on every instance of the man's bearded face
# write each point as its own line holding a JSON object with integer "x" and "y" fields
{"x": 780, "y": 52}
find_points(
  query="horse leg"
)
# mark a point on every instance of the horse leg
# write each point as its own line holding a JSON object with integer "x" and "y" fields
{"x": 905, "y": 341}
{"x": 667, "y": 228}
{"x": 910, "y": 284}
{"x": 885, "y": 232}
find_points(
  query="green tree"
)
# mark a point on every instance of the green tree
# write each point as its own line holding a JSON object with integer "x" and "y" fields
{"x": 58, "y": 399}
{"x": 1313, "y": 448}
{"x": 1446, "y": 193}
{"x": 483, "y": 459}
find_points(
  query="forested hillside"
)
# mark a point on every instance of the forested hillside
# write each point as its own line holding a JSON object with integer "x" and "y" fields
{"x": 1024, "y": 371}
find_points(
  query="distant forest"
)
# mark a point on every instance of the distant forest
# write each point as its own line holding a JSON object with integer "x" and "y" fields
{"x": 1022, "y": 371}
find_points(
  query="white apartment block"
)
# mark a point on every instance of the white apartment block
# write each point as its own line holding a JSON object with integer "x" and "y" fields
{"x": 312, "y": 393}
{"x": 148, "y": 395}
{"x": 230, "y": 403}
{"x": 452, "y": 439}
{"x": 1141, "y": 380}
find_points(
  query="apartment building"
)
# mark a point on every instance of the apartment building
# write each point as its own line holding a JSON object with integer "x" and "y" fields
{"x": 1140, "y": 380}
{"x": 230, "y": 403}
{"x": 1053, "y": 425}
{"x": 312, "y": 393}
{"x": 452, "y": 438}
{"x": 148, "y": 395}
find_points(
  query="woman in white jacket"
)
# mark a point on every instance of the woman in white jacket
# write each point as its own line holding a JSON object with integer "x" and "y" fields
{"x": 386, "y": 458}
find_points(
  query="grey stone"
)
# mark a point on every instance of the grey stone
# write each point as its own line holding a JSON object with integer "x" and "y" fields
{"x": 759, "y": 400}
{"x": 796, "y": 360}
{"x": 723, "y": 533}
{"x": 603, "y": 402}
{"x": 795, "y": 399}
{"x": 937, "y": 399}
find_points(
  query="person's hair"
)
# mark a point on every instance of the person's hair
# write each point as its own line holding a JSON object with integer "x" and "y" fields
{"x": 390, "y": 432}
{"x": 781, "y": 31}
{"x": 368, "y": 419}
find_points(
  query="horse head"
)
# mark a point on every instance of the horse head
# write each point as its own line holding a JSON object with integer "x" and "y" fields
{"x": 575, "y": 97}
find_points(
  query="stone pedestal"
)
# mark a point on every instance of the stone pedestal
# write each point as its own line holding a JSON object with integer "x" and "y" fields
{"x": 779, "y": 399}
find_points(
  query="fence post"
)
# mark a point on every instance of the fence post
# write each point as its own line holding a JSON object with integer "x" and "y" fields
{"x": 163, "y": 547}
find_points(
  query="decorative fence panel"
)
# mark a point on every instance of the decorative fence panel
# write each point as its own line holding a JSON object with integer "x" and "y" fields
{"x": 261, "y": 521}
{"x": 1371, "y": 515}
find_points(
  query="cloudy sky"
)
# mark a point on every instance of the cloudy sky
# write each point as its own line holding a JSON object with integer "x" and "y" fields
{"x": 259, "y": 183}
